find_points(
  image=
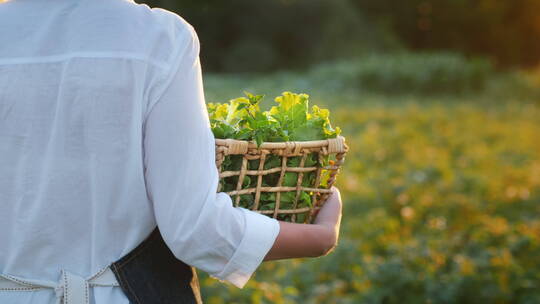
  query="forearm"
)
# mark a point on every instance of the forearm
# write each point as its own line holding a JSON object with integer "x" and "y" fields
{"x": 300, "y": 240}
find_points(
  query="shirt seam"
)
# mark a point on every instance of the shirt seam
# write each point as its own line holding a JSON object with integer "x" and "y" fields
{"x": 171, "y": 69}
{"x": 71, "y": 55}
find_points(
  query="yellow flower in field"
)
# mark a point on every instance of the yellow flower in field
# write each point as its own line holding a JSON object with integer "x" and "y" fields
{"x": 426, "y": 199}
{"x": 466, "y": 265}
{"x": 502, "y": 260}
{"x": 511, "y": 192}
{"x": 496, "y": 225}
{"x": 362, "y": 286}
{"x": 438, "y": 258}
{"x": 437, "y": 223}
{"x": 380, "y": 154}
{"x": 535, "y": 173}
{"x": 524, "y": 193}
{"x": 531, "y": 230}
{"x": 407, "y": 213}
{"x": 403, "y": 198}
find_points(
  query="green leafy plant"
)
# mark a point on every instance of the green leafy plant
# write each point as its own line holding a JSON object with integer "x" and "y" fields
{"x": 241, "y": 118}
{"x": 290, "y": 120}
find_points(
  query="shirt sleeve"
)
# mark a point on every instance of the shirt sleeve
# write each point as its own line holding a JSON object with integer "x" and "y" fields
{"x": 200, "y": 226}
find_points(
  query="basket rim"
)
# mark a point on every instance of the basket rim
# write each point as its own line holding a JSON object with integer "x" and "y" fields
{"x": 282, "y": 144}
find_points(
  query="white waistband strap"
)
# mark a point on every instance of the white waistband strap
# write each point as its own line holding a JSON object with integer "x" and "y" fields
{"x": 70, "y": 289}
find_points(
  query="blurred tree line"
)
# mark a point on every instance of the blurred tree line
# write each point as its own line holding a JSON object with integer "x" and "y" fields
{"x": 263, "y": 35}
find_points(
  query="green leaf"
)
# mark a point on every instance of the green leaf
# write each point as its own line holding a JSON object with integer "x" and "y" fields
{"x": 288, "y": 197}
{"x": 290, "y": 179}
{"x": 259, "y": 139}
{"x": 305, "y": 198}
{"x": 268, "y": 196}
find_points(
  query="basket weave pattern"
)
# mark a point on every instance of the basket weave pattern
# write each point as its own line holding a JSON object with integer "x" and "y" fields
{"x": 335, "y": 147}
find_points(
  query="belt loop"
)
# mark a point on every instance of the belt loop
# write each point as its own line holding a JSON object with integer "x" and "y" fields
{"x": 75, "y": 288}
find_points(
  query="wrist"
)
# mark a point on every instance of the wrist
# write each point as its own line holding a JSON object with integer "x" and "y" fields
{"x": 326, "y": 238}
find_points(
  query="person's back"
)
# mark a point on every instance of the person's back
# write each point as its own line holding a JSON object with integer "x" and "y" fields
{"x": 79, "y": 85}
{"x": 73, "y": 97}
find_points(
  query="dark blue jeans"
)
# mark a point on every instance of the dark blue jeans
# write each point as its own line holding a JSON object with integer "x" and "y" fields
{"x": 151, "y": 274}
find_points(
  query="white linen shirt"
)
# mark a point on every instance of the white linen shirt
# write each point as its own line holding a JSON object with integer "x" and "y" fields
{"x": 104, "y": 134}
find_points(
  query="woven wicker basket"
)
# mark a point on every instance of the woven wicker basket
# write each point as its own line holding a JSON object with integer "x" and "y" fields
{"x": 334, "y": 149}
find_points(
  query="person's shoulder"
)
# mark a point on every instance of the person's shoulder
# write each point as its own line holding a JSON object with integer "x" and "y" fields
{"x": 163, "y": 29}
{"x": 171, "y": 19}
{"x": 155, "y": 18}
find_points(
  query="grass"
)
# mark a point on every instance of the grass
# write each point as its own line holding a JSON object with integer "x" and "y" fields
{"x": 441, "y": 194}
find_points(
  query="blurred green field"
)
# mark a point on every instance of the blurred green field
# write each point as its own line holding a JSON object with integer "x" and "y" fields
{"x": 441, "y": 190}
